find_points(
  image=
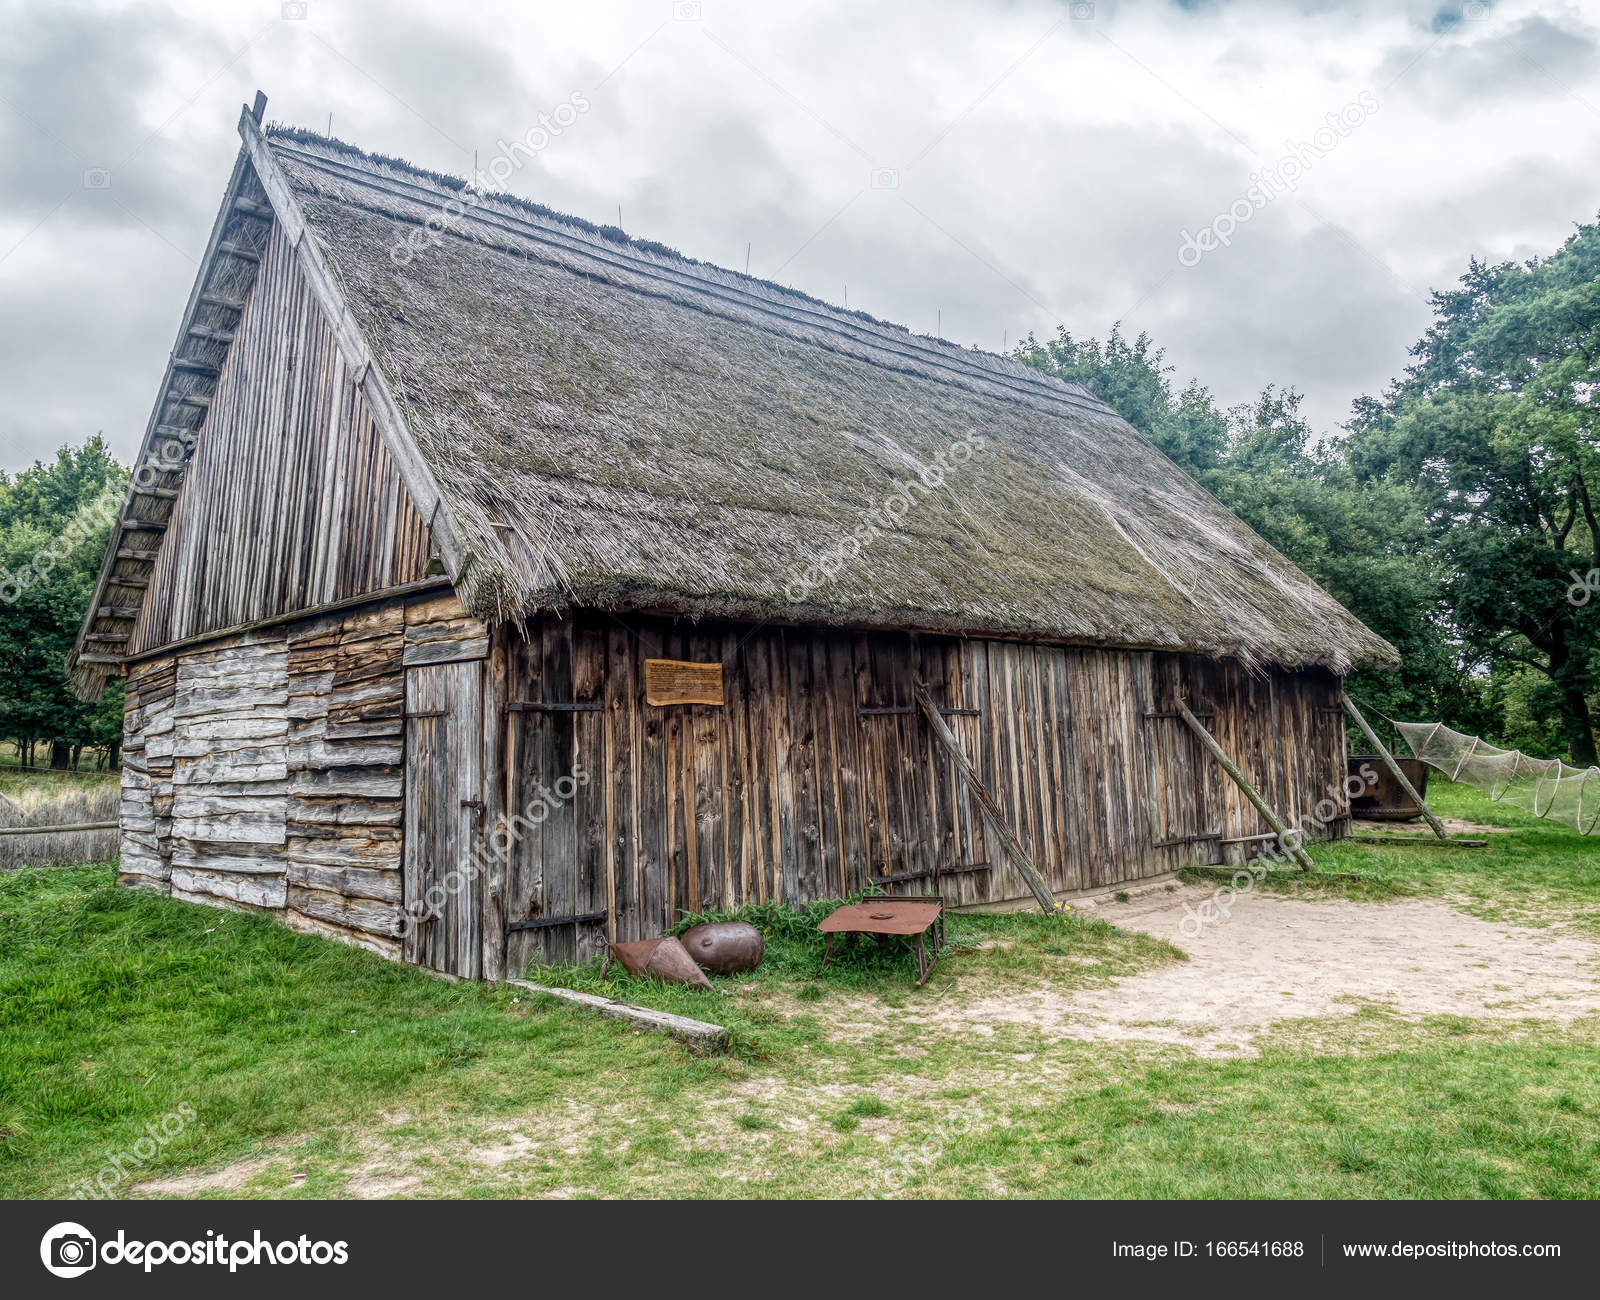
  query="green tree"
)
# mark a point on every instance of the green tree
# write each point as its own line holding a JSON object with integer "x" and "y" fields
{"x": 1494, "y": 426}
{"x": 1134, "y": 380}
{"x": 55, "y": 521}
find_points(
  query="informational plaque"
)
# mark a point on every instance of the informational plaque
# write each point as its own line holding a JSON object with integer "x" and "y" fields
{"x": 673, "y": 681}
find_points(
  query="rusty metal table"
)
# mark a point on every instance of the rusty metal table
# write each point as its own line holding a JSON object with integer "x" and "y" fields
{"x": 888, "y": 918}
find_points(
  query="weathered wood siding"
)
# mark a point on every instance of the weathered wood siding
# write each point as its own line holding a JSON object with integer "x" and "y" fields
{"x": 792, "y": 791}
{"x": 266, "y": 769}
{"x": 337, "y": 767}
{"x": 291, "y": 500}
{"x": 146, "y": 809}
{"x": 230, "y": 787}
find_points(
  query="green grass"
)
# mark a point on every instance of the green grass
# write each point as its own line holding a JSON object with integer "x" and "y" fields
{"x": 34, "y": 784}
{"x": 1538, "y": 874}
{"x": 316, "y": 1070}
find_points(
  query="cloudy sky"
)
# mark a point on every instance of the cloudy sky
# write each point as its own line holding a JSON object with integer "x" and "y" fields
{"x": 980, "y": 169}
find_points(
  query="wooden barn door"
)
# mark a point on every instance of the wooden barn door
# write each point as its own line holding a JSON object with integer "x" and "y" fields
{"x": 445, "y": 860}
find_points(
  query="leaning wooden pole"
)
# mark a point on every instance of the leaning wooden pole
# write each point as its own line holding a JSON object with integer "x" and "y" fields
{"x": 980, "y": 792}
{"x": 1394, "y": 768}
{"x": 1286, "y": 838}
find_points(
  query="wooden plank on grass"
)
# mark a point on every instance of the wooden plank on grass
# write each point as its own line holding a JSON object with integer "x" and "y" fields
{"x": 698, "y": 1033}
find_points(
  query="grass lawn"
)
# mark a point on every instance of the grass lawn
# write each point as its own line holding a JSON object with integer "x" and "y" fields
{"x": 283, "y": 1065}
{"x": 1538, "y": 874}
{"x": 34, "y": 785}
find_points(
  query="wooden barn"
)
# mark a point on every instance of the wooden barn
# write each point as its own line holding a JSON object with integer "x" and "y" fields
{"x": 491, "y": 584}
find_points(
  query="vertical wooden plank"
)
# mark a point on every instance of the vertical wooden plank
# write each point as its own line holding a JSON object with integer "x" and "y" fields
{"x": 556, "y": 751}
{"x": 651, "y": 842}
{"x": 845, "y": 755}
{"x": 592, "y": 785}
{"x": 494, "y": 726}
{"x": 465, "y": 723}
{"x": 621, "y": 775}
{"x": 786, "y": 821}
{"x": 525, "y": 899}
{"x": 759, "y": 712}
{"x": 804, "y": 873}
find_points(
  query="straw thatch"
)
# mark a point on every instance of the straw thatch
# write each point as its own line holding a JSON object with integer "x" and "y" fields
{"x": 661, "y": 434}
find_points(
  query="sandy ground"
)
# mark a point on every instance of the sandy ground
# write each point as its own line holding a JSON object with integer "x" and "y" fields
{"x": 1274, "y": 959}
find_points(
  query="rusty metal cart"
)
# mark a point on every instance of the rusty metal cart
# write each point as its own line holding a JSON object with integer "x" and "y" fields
{"x": 892, "y": 918}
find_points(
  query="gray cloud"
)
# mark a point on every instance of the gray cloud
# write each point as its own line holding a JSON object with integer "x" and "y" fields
{"x": 1476, "y": 64}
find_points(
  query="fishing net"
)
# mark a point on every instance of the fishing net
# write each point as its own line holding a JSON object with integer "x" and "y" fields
{"x": 1546, "y": 787}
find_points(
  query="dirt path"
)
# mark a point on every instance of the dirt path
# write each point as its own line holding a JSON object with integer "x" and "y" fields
{"x": 1275, "y": 959}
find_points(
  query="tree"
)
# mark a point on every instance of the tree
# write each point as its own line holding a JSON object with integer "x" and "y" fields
{"x": 1133, "y": 379}
{"x": 1494, "y": 426}
{"x": 55, "y": 521}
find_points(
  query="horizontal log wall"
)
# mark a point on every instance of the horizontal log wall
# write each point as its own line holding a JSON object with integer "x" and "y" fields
{"x": 266, "y": 770}
{"x": 807, "y": 783}
{"x": 291, "y": 501}
{"x": 146, "y": 810}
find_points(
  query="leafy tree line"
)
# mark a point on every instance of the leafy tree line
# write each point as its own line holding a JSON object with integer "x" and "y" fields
{"x": 55, "y": 523}
{"x": 1458, "y": 516}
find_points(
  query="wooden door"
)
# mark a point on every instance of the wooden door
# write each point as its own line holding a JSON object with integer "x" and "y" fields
{"x": 445, "y": 854}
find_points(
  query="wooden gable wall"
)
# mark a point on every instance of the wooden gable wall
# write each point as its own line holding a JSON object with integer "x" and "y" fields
{"x": 291, "y": 501}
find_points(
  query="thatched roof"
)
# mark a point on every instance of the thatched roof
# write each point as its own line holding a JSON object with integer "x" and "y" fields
{"x": 663, "y": 434}
{"x": 610, "y": 424}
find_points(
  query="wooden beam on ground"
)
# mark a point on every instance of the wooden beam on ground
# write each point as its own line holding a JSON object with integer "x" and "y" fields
{"x": 1394, "y": 768}
{"x": 697, "y": 1033}
{"x": 1451, "y": 842}
{"x": 57, "y": 830}
{"x": 1250, "y": 792}
{"x": 991, "y": 810}
{"x": 1228, "y": 873}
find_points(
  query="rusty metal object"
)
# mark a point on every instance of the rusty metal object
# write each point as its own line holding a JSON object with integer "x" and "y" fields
{"x": 725, "y": 947}
{"x": 662, "y": 959}
{"x": 1386, "y": 800}
{"x": 904, "y": 918}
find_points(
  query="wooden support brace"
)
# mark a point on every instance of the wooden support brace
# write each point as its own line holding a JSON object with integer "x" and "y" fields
{"x": 1394, "y": 768}
{"x": 904, "y": 709}
{"x": 697, "y": 1033}
{"x": 991, "y": 810}
{"x": 75, "y": 828}
{"x": 1285, "y": 836}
